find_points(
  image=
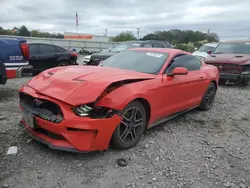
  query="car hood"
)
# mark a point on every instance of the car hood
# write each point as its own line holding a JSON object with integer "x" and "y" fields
{"x": 77, "y": 85}
{"x": 228, "y": 58}
{"x": 201, "y": 54}
{"x": 106, "y": 54}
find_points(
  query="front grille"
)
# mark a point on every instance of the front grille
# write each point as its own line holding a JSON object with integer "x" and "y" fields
{"x": 227, "y": 67}
{"x": 41, "y": 108}
{"x": 95, "y": 60}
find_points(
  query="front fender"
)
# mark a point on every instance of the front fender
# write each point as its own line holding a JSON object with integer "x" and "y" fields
{"x": 121, "y": 96}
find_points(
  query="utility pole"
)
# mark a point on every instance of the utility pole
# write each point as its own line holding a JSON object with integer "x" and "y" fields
{"x": 208, "y": 31}
{"x": 138, "y": 33}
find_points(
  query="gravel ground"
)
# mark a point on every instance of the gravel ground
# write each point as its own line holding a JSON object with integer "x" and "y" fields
{"x": 199, "y": 149}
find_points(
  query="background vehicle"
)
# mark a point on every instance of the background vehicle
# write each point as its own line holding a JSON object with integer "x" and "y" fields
{"x": 83, "y": 51}
{"x": 205, "y": 50}
{"x": 45, "y": 56}
{"x": 232, "y": 58}
{"x": 14, "y": 58}
{"x": 86, "y": 58}
{"x": 132, "y": 91}
{"x": 97, "y": 57}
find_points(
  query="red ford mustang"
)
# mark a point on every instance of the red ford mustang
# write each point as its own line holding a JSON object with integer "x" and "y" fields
{"x": 87, "y": 108}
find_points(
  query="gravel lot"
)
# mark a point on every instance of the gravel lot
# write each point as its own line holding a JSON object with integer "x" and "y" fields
{"x": 199, "y": 149}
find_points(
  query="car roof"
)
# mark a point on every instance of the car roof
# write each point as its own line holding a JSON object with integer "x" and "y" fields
{"x": 163, "y": 50}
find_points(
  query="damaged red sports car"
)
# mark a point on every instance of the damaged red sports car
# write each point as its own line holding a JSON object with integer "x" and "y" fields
{"x": 89, "y": 108}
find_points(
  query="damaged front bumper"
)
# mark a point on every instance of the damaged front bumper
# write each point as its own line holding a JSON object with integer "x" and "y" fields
{"x": 73, "y": 133}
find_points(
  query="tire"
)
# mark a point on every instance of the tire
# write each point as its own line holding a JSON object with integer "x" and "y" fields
{"x": 222, "y": 81}
{"x": 131, "y": 128}
{"x": 63, "y": 63}
{"x": 208, "y": 99}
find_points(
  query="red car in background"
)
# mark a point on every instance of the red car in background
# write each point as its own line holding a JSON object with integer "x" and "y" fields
{"x": 232, "y": 58}
{"x": 87, "y": 108}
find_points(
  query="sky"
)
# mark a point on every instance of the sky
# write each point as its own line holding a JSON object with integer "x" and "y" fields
{"x": 228, "y": 18}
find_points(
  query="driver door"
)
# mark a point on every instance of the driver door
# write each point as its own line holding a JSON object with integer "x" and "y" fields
{"x": 182, "y": 90}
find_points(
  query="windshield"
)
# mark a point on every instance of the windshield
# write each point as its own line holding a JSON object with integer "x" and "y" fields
{"x": 237, "y": 48}
{"x": 125, "y": 45}
{"x": 205, "y": 48}
{"x": 140, "y": 61}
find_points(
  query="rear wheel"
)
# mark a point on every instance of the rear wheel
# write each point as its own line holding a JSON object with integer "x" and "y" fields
{"x": 131, "y": 127}
{"x": 208, "y": 99}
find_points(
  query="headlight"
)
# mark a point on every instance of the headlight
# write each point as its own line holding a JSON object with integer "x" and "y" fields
{"x": 83, "y": 110}
{"x": 89, "y": 110}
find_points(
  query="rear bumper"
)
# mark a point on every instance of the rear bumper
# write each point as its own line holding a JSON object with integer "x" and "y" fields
{"x": 15, "y": 70}
{"x": 235, "y": 77}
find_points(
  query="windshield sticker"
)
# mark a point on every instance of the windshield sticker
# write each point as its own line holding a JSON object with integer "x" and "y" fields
{"x": 154, "y": 54}
{"x": 136, "y": 44}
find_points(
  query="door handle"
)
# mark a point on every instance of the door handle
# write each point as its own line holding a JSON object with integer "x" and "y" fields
{"x": 201, "y": 78}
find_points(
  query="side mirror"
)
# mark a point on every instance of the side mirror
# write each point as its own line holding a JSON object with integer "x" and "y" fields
{"x": 209, "y": 52}
{"x": 179, "y": 71}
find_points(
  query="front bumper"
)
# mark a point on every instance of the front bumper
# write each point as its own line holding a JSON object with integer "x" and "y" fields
{"x": 75, "y": 134}
{"x": 235, "y": 77}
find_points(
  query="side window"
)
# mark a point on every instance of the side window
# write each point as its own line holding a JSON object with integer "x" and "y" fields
{"x": 157, "y": 45}
{"x": 47, "y": 49}
{"x": 147, "y": 45}
{"x": 191, "y": 63}
{"x": 33, "y": 49}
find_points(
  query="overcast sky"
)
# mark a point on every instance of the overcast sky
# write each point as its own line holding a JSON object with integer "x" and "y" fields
{"x": 229, "y": 18}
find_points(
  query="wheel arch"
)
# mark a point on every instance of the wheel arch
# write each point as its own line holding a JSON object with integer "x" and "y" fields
{"x": 146, "y": 106}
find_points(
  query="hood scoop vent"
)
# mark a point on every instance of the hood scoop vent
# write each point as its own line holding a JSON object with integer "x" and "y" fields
{"x": 213, "y": 56}
{"x": 238, "y": 56}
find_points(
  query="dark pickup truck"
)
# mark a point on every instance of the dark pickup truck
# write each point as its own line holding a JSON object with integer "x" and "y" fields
{"x": 14, "y": 58}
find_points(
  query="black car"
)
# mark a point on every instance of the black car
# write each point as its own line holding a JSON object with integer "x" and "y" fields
{"x": 97, "y": 57}
{"x": 45, "y": 56}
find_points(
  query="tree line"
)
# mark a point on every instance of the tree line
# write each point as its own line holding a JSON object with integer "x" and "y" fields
{"x": 23, "y": 31}
{"x": 174, "y": 36}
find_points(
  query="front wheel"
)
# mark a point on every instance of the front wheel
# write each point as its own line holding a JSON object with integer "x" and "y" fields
{"x": 208, "y": 99}
{"x": 131, "y": 127}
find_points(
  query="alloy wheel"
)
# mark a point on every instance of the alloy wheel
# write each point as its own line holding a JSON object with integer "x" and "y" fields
{"x": 131, "y": 124}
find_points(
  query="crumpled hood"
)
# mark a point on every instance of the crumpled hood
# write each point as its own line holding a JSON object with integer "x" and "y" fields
{"x": 228, "y": 58}
{"x": 77, "y": 85}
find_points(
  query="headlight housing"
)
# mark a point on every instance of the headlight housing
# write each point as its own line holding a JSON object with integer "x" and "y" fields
{"x": 92, "y": 111}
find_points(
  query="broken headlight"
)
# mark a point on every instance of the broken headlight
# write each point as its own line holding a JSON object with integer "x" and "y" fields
{"x": 89, "y": 110}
